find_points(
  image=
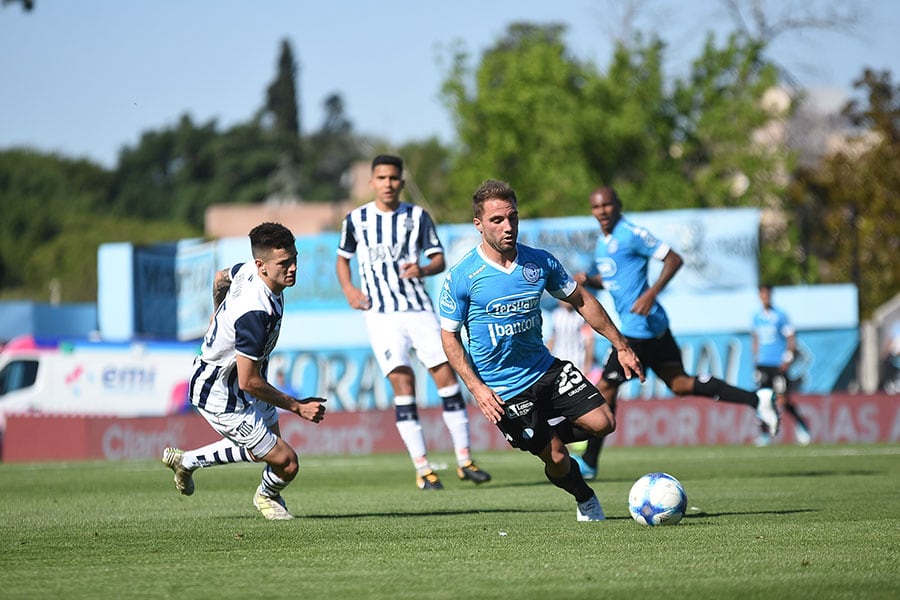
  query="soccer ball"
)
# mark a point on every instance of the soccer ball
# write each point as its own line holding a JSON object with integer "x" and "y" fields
{"x": 657, "y": 499}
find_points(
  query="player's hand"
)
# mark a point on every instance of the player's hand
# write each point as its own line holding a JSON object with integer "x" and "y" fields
{"x": 580, "y": 278}
{"x": 312, "y": 409}
{"x": 411, "y": 271}
{"x": 359, "y": 301}
{"x": 490, "y": 404}
{"x": 630, "y": 363}
{"x": 644, "y": 304}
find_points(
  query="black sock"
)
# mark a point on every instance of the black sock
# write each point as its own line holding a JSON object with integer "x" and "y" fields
{"x": 573, "y": 483}
{"x": 790, "y": 408}
{"x": 591, "y": 454}
{"x": 710, "y": 387}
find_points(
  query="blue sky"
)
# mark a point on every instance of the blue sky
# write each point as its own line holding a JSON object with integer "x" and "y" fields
{"x": 87, "y": 78}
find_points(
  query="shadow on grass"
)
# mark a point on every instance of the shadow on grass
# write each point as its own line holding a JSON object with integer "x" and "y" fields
{"x": 703, "y": 514}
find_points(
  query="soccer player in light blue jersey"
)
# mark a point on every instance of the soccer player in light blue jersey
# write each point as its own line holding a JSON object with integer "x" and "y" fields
{"x": 388, "y": 237}
{"x": 620, "y": 266}
{"x": 774, "y": 344}
{"x": 538, "y": 402}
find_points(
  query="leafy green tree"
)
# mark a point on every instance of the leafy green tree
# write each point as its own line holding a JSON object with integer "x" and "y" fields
{"x": 427, "y": 177}
{"x": 850, "y": 202}
{"x": 330, "y": 151}
{"x": 167, "y": 175}
{"x": 520, "y": 119}
{"x": 70, "y": 258}
{"x": 630, "y": 128}
{"x": 37, "y": 192}
{"x": 718, "y": 108}
{"x": 280, "y": 119}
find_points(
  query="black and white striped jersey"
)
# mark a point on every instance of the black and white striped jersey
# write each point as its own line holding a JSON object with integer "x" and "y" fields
{"x": 247, "y": 323}
{"x": 383, "y": 242}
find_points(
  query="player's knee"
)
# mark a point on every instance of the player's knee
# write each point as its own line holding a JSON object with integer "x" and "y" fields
{"x": 610, "y": 423}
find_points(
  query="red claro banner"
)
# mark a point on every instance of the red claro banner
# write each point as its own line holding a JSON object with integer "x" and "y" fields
{"x": 832, "y": 419}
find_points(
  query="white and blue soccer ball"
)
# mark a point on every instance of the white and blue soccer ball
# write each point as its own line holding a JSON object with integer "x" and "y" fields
{"x": 657, "y": 499}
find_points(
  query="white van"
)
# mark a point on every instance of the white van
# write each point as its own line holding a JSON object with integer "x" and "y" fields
{"x": 95, "y": 378}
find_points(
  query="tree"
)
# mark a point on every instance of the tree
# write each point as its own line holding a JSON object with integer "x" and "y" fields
{"x": 519, "y": 118}
{"x": 854, "y": 195}
{"x": 280, "y": 116}
{"x": 719, "y": 107}
{"x": 170, "y": 174}
{"x": 630, "y": 128}
{"x": 54, "y": 213}
{"x": 330, "y": 151}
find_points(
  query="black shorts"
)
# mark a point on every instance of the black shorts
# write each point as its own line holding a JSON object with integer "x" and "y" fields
{"x": 654, "y": 353}
{"x": 563, "y": 391}
{"x": 771, "y": 377}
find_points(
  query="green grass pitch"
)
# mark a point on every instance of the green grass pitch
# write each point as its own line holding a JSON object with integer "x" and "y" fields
{"x": 780, "y": 522}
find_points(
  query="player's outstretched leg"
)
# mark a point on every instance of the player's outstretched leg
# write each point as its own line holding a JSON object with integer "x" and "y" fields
{"x": 184, "y": 481}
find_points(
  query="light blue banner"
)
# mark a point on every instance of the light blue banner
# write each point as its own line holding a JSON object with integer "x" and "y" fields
{"x": 173, "y": 284}
{"x": 351, "y": 380}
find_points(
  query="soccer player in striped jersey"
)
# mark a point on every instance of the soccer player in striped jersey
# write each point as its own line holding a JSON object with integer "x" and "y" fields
{"x": 620, "y": 266}
{"x": 494, "y": 293}
{"x": 388, "y": 238}
{"x": 229, "y": 387}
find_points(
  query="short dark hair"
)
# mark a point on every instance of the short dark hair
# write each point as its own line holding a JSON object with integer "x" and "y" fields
{"x": 765, "y": 286}
{"x": 270, "y": 236}
{"x": 388, "y": 159}
{"x": 609, "y": 191}
{"x": 492, "y": 189}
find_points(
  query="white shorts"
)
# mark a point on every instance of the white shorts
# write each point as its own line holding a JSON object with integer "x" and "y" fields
{"x": 393, "y": 335}
{"x": 249, "y": 428}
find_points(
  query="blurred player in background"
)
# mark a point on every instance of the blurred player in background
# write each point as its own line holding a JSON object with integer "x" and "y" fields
{"x": 620, "y": 266}
{"x": 229, "y": 387}
{"x": 571, "y": 338}
{"x": 774, "y": 344}
{"x": 494, "y": 293}
{"x": 387, "y": 237}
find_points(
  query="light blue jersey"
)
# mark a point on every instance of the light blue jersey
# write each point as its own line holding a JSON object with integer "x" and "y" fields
{"x": 500, "y": 310}
{"x": 621, "y": 259}
{"x": 772, "y": 330}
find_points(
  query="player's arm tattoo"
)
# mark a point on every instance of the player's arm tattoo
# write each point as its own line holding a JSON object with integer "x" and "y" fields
{"x": 220, "y": 287}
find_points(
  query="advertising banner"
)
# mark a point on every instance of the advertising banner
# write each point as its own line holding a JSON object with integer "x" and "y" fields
{"x": 833, "y": 419}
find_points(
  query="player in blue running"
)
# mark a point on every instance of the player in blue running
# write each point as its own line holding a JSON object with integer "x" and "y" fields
{"x": 620, "y": 266}
{"x": 774, "y": 344}
{"x": 538, "y": 402}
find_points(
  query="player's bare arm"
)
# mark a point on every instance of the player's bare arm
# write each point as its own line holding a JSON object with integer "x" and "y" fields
{"x": 414, "y": 270}
{"x": 251, "y": 381}
{"x": 671, "y": 263}
{"x": 591, "y": 281}
{"x": 355, "y": 296}
{"x": 221, "y": 284}
{"x": 488, "y": 401}
{"x": 597, "y": 317}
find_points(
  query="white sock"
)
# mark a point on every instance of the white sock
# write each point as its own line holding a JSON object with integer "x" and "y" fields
{"x": 272, "y": 485}
{"x": 457, "y": 421}
{"x": 222, "y": 452}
